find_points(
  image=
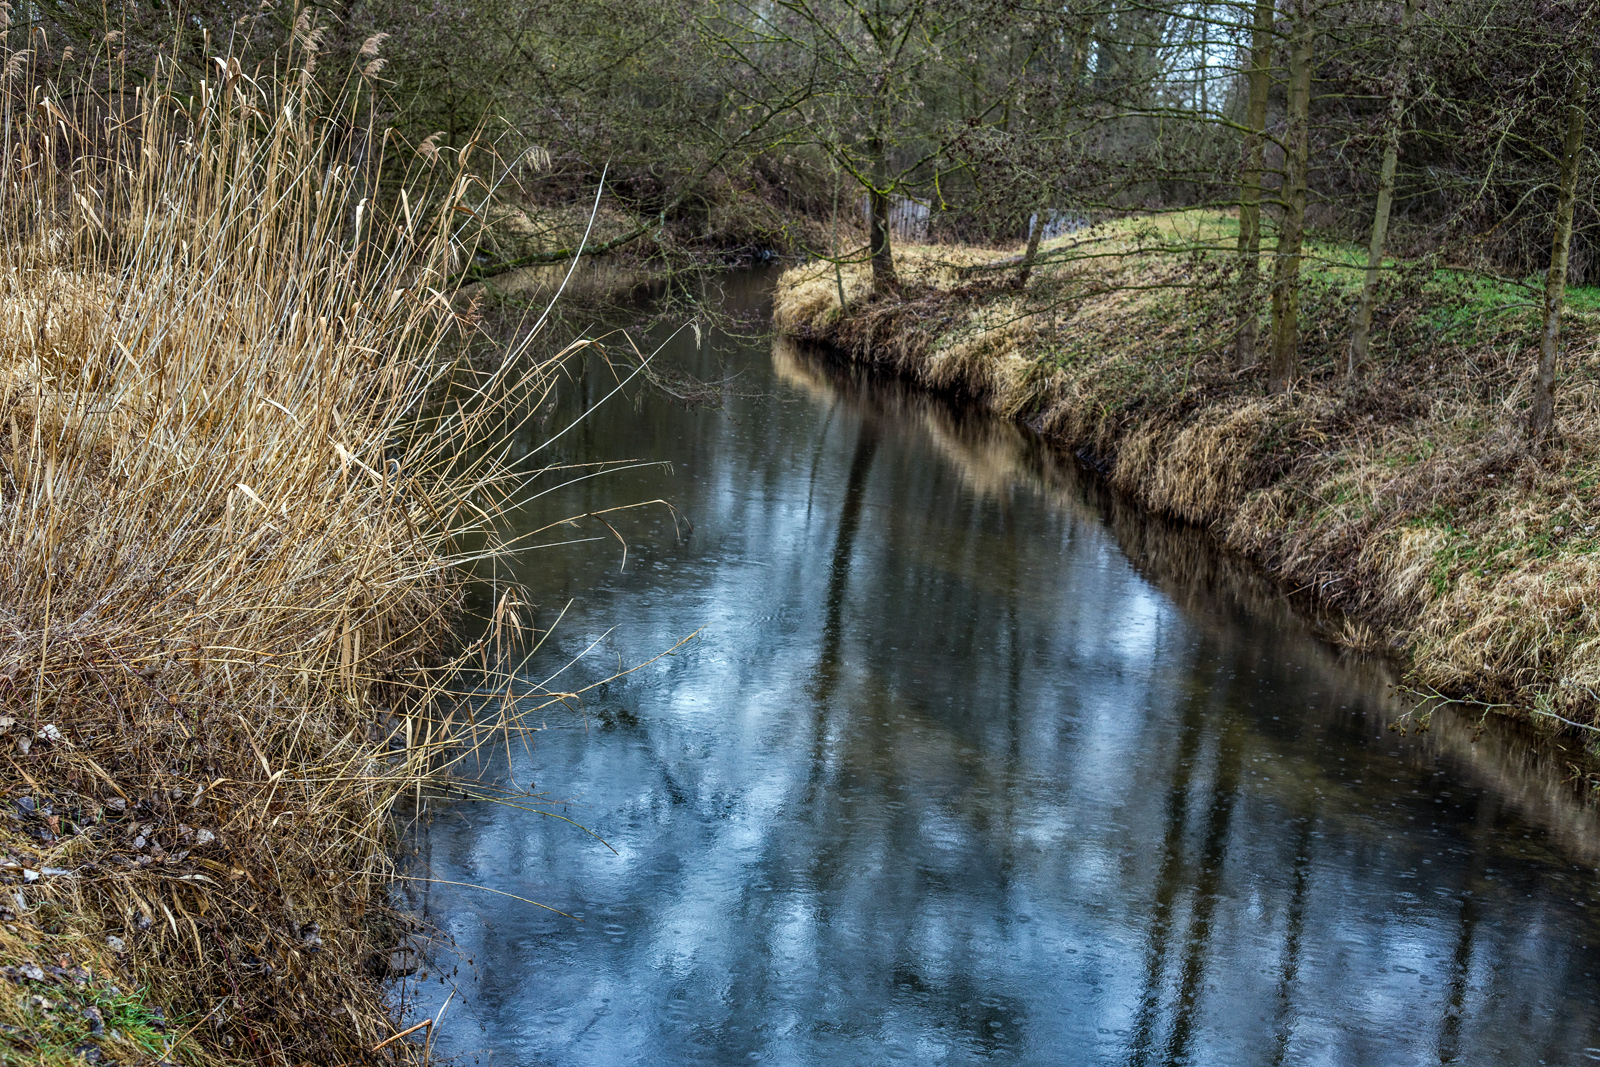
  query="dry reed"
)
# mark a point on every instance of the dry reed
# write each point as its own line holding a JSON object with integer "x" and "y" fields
{"x": 239, "y": 469}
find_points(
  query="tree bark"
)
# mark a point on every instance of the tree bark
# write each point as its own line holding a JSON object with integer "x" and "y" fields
{"x": 838, "y": 267}
{"x": 1285, "y": 361}
{"x": 883, "y": 274}
{"x": 1542, "y": 418}
{"x": 1035, "y": 232}
{"x": 1259, "y": 85}
{"x": 1361, "y": 329}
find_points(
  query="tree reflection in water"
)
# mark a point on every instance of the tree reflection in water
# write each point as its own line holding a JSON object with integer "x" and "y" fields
{"x": 975, "y": 764}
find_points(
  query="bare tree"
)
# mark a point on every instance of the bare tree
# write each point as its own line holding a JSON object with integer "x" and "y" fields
{"x": 1285, "y": 364}
{"x": 1542, "y": 417}
{"x": 1398, "y": 89}
{"x": 1258, "y": 82}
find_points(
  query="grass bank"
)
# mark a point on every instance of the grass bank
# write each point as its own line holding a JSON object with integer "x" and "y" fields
{"x": 1408, "y": 502}
{"x": 234, "y": 489}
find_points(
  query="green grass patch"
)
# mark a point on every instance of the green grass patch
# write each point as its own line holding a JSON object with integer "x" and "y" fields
{"x": 58, "y": 1015}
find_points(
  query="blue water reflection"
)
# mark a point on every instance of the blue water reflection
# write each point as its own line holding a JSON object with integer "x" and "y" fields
{"x": 970, "y": 764}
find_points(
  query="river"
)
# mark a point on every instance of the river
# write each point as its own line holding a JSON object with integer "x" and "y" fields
{"x": 969, "y": 763}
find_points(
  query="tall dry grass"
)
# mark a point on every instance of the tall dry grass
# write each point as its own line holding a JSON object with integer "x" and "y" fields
{"x": 239, "y": 469}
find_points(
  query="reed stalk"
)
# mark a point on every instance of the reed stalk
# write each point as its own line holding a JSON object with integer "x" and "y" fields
{"x": 241, "y": 466}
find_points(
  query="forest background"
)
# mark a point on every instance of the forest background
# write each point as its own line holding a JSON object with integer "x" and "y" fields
{"x": 1443, "y": 132}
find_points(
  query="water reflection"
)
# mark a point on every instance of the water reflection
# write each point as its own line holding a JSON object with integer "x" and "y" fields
{"x": 972, "y": 764}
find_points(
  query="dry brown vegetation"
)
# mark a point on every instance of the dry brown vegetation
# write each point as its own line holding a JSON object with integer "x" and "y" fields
{"x": 237, "y": 479}
{"x": 1408, "y": 502}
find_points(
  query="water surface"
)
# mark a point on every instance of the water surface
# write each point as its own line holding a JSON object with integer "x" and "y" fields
{"x": 971, "y": 764}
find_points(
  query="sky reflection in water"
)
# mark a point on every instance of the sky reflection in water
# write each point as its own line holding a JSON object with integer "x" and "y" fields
{"x": 973, "y": 765}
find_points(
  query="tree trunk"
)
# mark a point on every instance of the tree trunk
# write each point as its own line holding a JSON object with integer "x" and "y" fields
{"x": 1361, "y": 329}
{"x": 1035, "y": 232}
{"x": 1542, "y": 418}
{"x": 883, "y": 275}
{"x": 1284, "y": 365}
{"x": 1259, "y": 83}
{"x": 838, "y": 267}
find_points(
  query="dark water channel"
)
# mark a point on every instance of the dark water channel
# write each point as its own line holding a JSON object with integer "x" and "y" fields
{"x": 972, "y": 764}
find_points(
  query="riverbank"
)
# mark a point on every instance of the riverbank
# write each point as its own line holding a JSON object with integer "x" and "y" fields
{"x": 1407, "y": 502}
{"x": 233, "y": 514}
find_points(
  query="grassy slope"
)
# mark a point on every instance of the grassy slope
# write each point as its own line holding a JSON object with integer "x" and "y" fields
{"x": 1408, "y": 502}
